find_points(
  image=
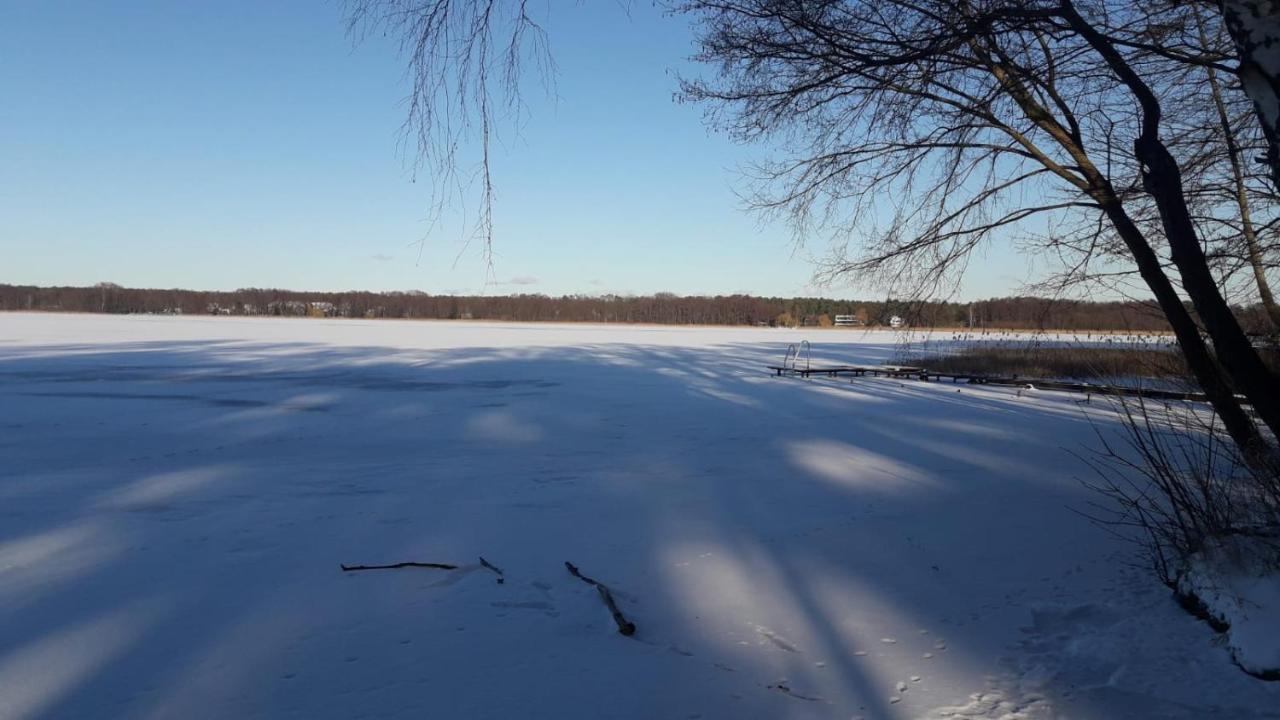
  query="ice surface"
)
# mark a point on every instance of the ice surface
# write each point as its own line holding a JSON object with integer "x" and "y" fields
{"x": 176, "y": 496}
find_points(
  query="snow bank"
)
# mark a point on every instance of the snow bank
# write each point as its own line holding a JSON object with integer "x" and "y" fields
{"x": 1236, "y": 582}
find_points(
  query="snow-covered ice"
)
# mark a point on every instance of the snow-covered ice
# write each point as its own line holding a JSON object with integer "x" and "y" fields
{"x": 176, "y": 496}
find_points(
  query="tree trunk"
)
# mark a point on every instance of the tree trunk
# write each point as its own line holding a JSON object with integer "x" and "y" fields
{"x": 1260, "y": 273}
{"x": 1253, "y": 252}
{"x": 1199, "y": 358}
{"x": 1162, "y": 179}
{"x": 1254, "y": 26}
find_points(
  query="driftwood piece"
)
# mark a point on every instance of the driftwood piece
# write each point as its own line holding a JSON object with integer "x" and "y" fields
{"x": 495, "y": 568}
{"x": 436, "y": 566}
{"x": 624, "y": 626}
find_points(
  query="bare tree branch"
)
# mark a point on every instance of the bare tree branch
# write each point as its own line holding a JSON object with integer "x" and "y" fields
{"x": 465, "y": 71}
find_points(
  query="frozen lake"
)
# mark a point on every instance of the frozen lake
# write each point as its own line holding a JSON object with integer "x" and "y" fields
{"x": 176, "y": 496}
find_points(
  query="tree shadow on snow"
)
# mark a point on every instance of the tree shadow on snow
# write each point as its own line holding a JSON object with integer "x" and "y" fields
{"x": 175, "y": 514}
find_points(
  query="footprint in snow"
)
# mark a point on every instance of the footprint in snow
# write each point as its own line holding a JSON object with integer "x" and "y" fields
{"x": 546, "y": 608}
{"x": 782, "y": 687}
{"x": 777, "y": 640}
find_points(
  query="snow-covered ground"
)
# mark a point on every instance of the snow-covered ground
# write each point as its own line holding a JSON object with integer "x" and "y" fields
{"x": 1236, "y": 582}
{"x": 176, "y": 495}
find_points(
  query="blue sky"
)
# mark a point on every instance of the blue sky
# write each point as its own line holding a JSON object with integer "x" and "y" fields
{"x": 237, "y": 144}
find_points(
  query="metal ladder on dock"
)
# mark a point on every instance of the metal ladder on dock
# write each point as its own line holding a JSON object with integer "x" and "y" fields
{"x": 791, "y": 361}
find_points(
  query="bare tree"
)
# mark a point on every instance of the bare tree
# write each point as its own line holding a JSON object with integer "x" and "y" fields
{"x": 465, "y": 67}
{"x": 973, "y": 121}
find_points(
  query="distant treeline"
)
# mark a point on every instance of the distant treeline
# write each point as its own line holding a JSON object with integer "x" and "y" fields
{"x": 664, "y": 308}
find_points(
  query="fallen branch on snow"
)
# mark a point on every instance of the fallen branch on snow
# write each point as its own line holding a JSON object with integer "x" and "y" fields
{"x": 495, "y": 568}
{"x": 624, "y": 626}
{"x": 436, "y": 566}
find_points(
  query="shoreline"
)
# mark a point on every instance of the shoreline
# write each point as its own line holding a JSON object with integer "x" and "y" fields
{"x": 597, "y": 323}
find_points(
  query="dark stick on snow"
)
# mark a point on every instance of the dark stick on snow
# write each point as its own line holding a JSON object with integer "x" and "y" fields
{"x": 624, "y": 626}
{"x": 437, "y": 566}
{"x": 495, "y": 568}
